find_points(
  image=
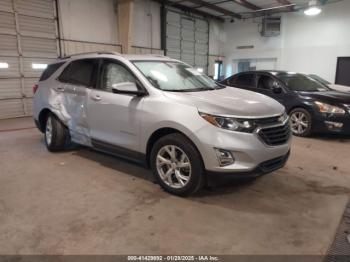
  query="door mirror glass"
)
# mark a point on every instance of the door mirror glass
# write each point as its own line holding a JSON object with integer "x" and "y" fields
{"x": 127, "y": 88}
{"x": 277, "y": 89}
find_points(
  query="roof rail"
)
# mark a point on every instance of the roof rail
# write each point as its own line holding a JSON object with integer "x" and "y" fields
{"x": 156, "y": 55}
{"x": 91, "y": 53}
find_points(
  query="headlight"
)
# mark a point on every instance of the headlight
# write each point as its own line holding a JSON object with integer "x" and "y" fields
{"x": 329, "y": 109}
{"x": 229, "y": 123}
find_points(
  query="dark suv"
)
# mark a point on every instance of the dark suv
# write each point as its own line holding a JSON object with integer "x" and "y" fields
{"x": 313, "y": 107}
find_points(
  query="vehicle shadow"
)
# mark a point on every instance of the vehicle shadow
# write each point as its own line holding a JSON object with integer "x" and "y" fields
{"x": 116, "y": 163}
{"x": 332, "y": 137}
{"x": 219, "y": 186}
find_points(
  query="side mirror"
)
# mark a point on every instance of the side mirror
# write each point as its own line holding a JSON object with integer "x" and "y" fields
{"x": 276, "y": 88}
{"x": 127, "y": 88}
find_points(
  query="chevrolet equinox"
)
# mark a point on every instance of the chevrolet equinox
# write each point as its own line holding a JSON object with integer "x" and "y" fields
{"x": 161, "y": 112}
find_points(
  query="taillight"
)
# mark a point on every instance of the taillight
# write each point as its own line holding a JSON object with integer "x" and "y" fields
{"x": 35, "y": 87}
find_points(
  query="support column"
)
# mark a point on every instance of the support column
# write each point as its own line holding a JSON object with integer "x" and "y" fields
{"x": 125, "y": 24}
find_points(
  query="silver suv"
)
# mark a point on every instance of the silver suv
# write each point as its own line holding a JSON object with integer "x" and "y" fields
{"x": 161, "y": 112}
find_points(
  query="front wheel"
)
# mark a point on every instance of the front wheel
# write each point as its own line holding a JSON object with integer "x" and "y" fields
{"x": 301, "y": 122}
{"x": 177, "y": 165}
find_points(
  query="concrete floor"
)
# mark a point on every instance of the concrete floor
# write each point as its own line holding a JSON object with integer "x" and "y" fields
{"x": 84, "y": 202}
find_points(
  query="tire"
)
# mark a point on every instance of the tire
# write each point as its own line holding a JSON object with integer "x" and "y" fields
{"x": 56, "y": 134}
{"x": 186, "y": 163}
{"x": 299, "y": 118}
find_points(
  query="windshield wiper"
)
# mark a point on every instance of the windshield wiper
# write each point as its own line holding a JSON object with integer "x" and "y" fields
{"x": 191, "y": 89}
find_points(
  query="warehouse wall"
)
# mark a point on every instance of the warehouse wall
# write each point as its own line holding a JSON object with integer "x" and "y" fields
{"x": 306, "y": 44}
{"x": 146, "y": 24}
{"x": 216, "y": 43}
{"x": 90, "y": 25}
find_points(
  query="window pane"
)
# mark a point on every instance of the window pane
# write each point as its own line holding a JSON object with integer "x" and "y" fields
{"x": 300, "y": 82}
{"x": 78, "y": 72}
{"x": 246, "y": 80}
{"x": 266, "y": 82}
{"x": 115, "y": 74}
{"x": 50, "y": 70}
{"x": 174, "y": 76}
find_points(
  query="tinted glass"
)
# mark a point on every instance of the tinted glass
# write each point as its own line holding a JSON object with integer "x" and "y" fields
{"x": 78, "y": 72}
{"x": 231, "y": 81}
{"x": 245, "y": 80}
{"x": 113, "y": 73}
{"x": 319, "y": 79}
{"x": 50, "y": 70}
{"x": 300, "y": 82}
{"x": 266, "y": 82}
{"x": 174, "y": 76}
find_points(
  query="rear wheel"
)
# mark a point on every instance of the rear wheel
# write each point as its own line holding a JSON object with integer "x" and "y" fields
{"x": 56, "y": 134}
{"x": 301, "y": 122}
{"x": 177, "y": 165}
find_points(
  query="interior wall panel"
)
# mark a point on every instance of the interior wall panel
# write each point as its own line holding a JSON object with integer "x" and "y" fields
{"x": 187, "y": 38}
{"x": 7, "y": 23}
{"x": 8, "y": 45}
{"x": 28, "y": 36}
{"x": 10, "y": 88}
{"x": 6, "y": 5}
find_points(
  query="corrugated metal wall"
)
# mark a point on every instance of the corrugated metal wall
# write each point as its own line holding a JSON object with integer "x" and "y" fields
{"x": 28, "y": 40}
{"x": 187, "y": 39}
{"x": 70, "y": 47}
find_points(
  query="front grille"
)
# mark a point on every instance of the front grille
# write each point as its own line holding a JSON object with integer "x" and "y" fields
{"x": 277, "y": 135}
{"x": 267, "y": 121}
{"x": 274, "y": 164}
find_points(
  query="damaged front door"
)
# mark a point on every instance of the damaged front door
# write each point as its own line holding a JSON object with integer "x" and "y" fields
{"x": 76, "y": 81}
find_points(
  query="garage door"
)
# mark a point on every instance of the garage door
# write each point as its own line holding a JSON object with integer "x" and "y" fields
{"x": 187, "y": 39}
{"x": 28, "y": 42}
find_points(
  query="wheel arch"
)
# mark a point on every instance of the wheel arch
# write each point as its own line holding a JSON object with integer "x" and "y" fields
{"x": 161, "y": 132}
{"x": 42, "y": 118}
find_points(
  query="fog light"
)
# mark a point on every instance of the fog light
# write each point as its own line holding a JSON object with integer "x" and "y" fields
{"x": 334, "y": 125}
{"x": 224, "y": 156}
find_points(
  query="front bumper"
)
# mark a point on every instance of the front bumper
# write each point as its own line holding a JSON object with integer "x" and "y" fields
{"x": 248, "y": 150}
{"x": 322, "y": 123}
{"x": 262, "y": 169}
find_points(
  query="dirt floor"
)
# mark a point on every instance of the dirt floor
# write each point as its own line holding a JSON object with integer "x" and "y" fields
{"x": 84, "y": 202}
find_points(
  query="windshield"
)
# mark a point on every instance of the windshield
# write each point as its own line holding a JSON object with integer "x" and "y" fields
{"x": 300, "y": 82}
{"x": 175, "y": 76}
{"x": 320, "y": 79}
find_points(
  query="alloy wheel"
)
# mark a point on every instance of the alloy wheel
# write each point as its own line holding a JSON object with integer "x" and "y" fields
{"x": 299, "y": 122}
{"x": 173, "y": 166}
{"x": 48, "y": 131}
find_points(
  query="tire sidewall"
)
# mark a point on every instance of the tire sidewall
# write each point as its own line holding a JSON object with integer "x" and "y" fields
{"x": 308, "y": 131}
{"x": 197, "y": 175}
{"x": 50, "y": 146}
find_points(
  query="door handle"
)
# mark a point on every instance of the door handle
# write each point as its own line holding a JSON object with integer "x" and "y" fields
{"x": 60, "y": 89}
{"x": 96, "y": 98}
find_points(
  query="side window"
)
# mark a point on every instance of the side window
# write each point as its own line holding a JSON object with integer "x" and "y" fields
{"x": 232, "y": 81}
{"x": 79, "y": 72}
{"x": 246, "y": 80}
{"x": 50, "y": 70}
{"x": 267, "y": 82}
{"x": 113, "y": 74}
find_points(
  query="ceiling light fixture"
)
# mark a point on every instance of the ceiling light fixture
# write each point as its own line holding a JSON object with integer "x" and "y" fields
{"x": 4, "y": 65}
{"x": 313, "y": 9}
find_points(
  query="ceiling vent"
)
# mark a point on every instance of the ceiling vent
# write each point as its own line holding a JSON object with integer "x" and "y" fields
{"x": 271, "y": 26}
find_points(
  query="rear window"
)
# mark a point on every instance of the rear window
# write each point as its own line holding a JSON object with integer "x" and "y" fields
{"x": 78, "y": 72}
{"x": 50, "y": 70}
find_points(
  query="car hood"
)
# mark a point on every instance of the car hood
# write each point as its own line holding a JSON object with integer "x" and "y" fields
{"x": 229, "y": 101}
{"x": 334, "y": 97}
